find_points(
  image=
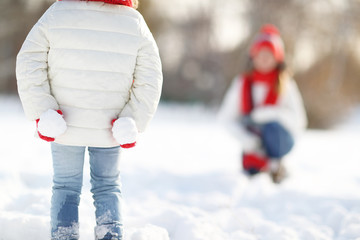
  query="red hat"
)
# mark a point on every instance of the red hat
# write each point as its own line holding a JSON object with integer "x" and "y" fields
{"x": 269, "y": 36}
{"x": 128, "y": 3}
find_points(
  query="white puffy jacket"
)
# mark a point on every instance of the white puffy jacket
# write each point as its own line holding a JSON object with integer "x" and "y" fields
{"x": 96, "y": 62}
{"x": 289, "y": 111}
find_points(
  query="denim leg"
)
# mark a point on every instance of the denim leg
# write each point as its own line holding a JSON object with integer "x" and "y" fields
{"x": 276, "y": 139}
{"x": 106, "y": 189}
{"x": 68, "y": 164}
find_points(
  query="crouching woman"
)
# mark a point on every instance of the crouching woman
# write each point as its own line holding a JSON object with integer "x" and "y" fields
{"x": 263, "y": 107}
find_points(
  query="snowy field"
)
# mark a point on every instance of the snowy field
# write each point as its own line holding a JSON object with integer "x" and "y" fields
{"x": 183, "y": 182}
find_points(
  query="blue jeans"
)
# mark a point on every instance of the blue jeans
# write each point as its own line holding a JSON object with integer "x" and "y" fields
{"x": 68, "y": 162}
{"x": 276, "y": 140}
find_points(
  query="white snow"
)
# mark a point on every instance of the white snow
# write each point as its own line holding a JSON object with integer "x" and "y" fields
{"x": 183, "y": 182}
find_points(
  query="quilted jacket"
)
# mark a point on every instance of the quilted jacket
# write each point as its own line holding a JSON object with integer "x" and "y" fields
{"x": 95, "y": 62}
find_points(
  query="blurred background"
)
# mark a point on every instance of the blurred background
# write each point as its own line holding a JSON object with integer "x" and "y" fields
{"x": 204, "y": 45}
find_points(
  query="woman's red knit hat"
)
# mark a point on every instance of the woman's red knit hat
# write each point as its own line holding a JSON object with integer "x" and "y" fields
{"x": 269, "y": 36}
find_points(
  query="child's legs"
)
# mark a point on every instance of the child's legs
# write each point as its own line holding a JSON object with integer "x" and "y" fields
{"x": 105, "y": 181}
{"x": 68, "y": 164}
{"x": 277, "y": 140}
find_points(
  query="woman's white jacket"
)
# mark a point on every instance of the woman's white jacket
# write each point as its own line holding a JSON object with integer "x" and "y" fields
{"x": 289, "y": 111}
{"x": 95, "y": 62}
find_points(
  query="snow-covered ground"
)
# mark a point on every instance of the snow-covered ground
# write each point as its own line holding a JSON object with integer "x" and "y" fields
{"x": 183, "y": 182}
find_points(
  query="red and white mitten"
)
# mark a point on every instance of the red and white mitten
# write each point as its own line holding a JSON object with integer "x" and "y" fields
{"x": 125, "y": 131}
{"x": 50, "y": 125}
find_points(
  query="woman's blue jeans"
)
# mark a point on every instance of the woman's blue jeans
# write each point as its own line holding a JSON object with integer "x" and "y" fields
{"x": 276, "y": 140}
{"x": 68, "y": 162}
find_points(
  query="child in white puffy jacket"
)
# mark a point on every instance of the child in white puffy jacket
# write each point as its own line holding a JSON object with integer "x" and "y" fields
{"x": 89, "y": 74}
{"x": 263, "y": 107}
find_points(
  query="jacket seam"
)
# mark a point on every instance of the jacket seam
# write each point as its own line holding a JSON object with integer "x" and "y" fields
{"x": 86, "y": 89}
{"x": 92, "y": 70}
{"x": 93, "y": 29}
{"x": 90, "y": 109}
{"x": 75, "y": 126}
{"x": 92, "y": 50}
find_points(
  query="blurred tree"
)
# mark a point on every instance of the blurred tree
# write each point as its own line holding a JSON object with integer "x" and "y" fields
{"x": 16, "y": 20}
{"x": 196, "y": 39}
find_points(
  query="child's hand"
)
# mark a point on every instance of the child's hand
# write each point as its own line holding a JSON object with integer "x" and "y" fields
{"x": 50, "y": 125}
{"x": 125, "y": 132}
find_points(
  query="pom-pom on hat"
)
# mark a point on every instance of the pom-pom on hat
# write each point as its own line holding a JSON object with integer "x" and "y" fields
{"x": 269, "y": 36}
